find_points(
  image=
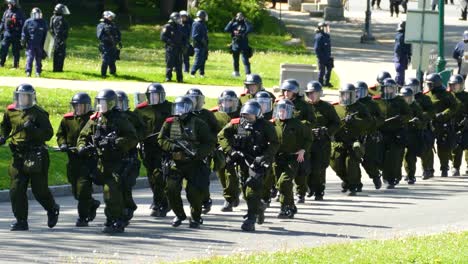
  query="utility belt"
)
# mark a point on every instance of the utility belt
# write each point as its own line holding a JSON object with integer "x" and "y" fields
{"x": 21, "y": 149}
{"x": 29, "y": 158}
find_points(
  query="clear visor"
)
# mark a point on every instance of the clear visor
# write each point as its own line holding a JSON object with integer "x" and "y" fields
{"x": 265, "y": 104}
{"x": 428, "y": 85}
{"x": 122, "y": 104}
{"x": 36, "y": 15}
{"x": 103, "y": 106}
{"x": 228, "y": 104}
{"x": 347, "y": 98}
{"x": 80, "y": 109}
{"x": 65, "y": 10}
{"x": 156, "y": 98}
{"x": 25, "y": 100}
{"x": 252, "y": 88}
{"x": 314, "y": 96}
{"x": 139, "y": 98}
{"x": 416, "y": 88}
{"x": 283, "y": 111}
{"x": 389, "y": 92}
{"x": 362, "y": 93}
{"x": 198, "y": 101}
{"x": 179, "y": 109}
{"x": 251, "y": 110}
{"x": 409, "y": 99}
{"x": 456, "y": 87}
{"x": 250, "y": 118}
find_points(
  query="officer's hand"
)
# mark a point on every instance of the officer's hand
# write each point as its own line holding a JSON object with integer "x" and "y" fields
{"x": 259, "y": 160}
{"x": 63, "y": 147}
{"x": 84, "y": 151}
{"x": 2, "y": 140}
{"x": 348, "y": 118}
{"x": 175, "y": 148}
{"x": 300, "y": 155}
{"x": 29, "y": 124}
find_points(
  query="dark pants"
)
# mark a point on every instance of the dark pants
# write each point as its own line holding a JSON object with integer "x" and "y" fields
{"x": 325, "y": 70}
{"x": 15, "y": 47}
{"x": 463, "y": 12}
{"x": 404, "y": 4}
{"x": 174, "y": 60}
{"x": 34, "y": 54}
{"x": 201, "y": 54}
{"x": 245, "y": 60}
{"x": 186, "y": 61}
{"x": 400, "y": 73}
{"x": 376, "y": 2}
{"x": 152, "y": 163}
{"x": 109, "y": 57}
{"x": 394, "y": 8}
{"x": 78, "y": 174}
{"x": 319, "y": 161}
{"x": 60, "y": 52}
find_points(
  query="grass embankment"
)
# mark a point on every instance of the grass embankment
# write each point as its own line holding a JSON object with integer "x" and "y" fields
{"x": 56, "y": 102}
{"x": 443, "y": 248}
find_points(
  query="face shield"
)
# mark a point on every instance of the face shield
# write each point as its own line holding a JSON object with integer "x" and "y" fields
{"x": 249, "y": 118}
{"x": 361, "y": 93}
{"x": 36, "y": 14}
{"x": 156, "y": 98}
{"x": 228, "y": 104}
{"x": 290, "y": 95}
{"x": 24, "y": 100}
{"x": 122, "y": 104}
{"x": 198, "y": 101}
{"x": 283, "y": 111}
{"x": 389, "y": 92}
{"x": 80, "y": 109}
{"x": 347, "y": 97}
{"x": 416, "y": 88}
{"x": 252, "y": 88}
{"x": 409, "y": 99}
{"x": 314, "y": 97}
{"x": 265, "y": 104}
{"x": 251, "y": 109}
{"x": 456, "y": 87}
{"x": 181, "y": 108}
{"x": 104, "y": 106}
{"x": 65, "y": 10}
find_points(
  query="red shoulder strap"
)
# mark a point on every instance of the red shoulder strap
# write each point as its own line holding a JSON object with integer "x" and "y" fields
{"x": 170, "y": 119}
{"x": 11, "y": 107}
{"x": 426, "y": 92}
{"x": 243, "y": 94}
{"x": 142, "y": 105}
{"x": 336, "y": 103}
{"x": 70, "y": 114}
{"x": 95, "y": 116}
{"x": 373, "y": 87}
{"x": 377, "y": 97}
{"x": 214, "y": 109}
{"x": 235, "y": 121}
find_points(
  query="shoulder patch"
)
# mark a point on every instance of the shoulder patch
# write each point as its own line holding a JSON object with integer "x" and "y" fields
{"x": 11, "y": 107}
{"x": 335, "y": 103}
{"x": 235, "y": 121}
{"x": 243, "y": 94}
{"x": 215, "y": 109}
{"x": 70, "y": 114}
{"x": 142, "y": 105}
{"x": 94, "y": 116}
{"x": 169, "y": 119}
{"x": 426, "y": 92}
{"x": 376, "y": 97}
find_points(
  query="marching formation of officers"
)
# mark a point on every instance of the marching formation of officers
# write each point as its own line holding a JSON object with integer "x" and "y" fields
{"x": 259, "y": 146}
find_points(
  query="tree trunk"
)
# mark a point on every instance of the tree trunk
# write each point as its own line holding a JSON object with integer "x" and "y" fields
{"x": 167, "y": 7}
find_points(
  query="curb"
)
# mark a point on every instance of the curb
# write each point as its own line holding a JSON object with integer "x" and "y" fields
{"x": 66, "y": 190}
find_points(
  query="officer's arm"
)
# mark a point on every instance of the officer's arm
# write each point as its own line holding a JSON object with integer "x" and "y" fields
{"x": 456, "y": 52}
{"x": 5, "y": 126}
{"x": 311, "y": 118}
{"x": 61, "y": 134}
{"x": 405, "y": 113}
{"x": 163, "y": 138}
{"x": 334, "y": 121}
{"x": 206, "y": 138}
{"x": 361, "y": 121}
{"x": 25, "y": 33}
{"x": 164, "y": 36}
{"x": 43, "y": 130}
{"x": 2, "y": 26}
{"x": 273, "y": 141}
{"x": 196, "y": 36}
{"x": 228, "y": 27}
{"x": 139, "y": 125}
{"x": 428, "y": 108}
{"x": 127, "y": 136}
{"x": 119, "y": 34}
{"x": 85, "y": 135}
{"x": 249, "y": 28}
{"x": 421, "y": 122}
{"x": 213, "y": 123}
{"x": 451, "y": 110}
{"x": 226, "y": 138}
{"x": 99, "y": 31}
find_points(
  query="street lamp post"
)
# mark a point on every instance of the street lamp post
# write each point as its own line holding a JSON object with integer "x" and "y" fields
{"x": 367, "y": 34}
{"x": 441, "y": 62}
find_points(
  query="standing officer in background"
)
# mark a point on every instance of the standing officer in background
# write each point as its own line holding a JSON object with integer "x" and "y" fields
{"x": 200, "y": 43}
{"x": 33, "y": 38}
{"x": 445, "y": 108}
{"x": 174, "y": 38}
{"x": 187, "y": 22}
{"x": 79, "y": 169}
{"x": 322, "y": 48}
{"x": 109, "y": 134}
{"x": 59, "y": 29}
{"x": 401, "y": 55}
{"x": 110, "y": 43}
{"x": 459, "y": 53}
{"x": 239, "y": 29}
{"x": 153, "y": 112}
{"x": 189, "y": 141}
{"x": 10, "y": 28}
{"x": 253, "y": 84}
{"x": 28, "y": 127}
{"x": 328, "y": 122}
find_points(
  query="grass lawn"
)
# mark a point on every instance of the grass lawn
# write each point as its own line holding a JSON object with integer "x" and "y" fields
{"x": 56, "y": 102}
{"x": 143, "y": 56}
{"x": 443, "y": 248}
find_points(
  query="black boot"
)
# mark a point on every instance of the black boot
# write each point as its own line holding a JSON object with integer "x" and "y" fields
{"x": 261, "y": 213}
{"x": 377, "y": 182}
{"x": 300, "y": 199}
{"x": 206, "y": 207}
{"x": 93, "y": 209}
{"x": 444, "y": 173}
{"x": 287, "y": 212}
{"x": 19, "y": 225}
{"x": 193, "y": 223}
{"x": 114, "y": 227}
{"x": 273, "y": 193}
{"x": 227, "y": 207}
{"x": 411, "y": 180}
{"x": 177, "y": 221}
{"x": 52, "y": 216}
{"x": 81, "y": 222}
{"x": 248, "y": 224}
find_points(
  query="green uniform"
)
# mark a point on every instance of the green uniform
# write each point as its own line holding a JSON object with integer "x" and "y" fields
{"x": 111, "y": 157}
{"x": 347, "y": 151}
{"x": 415, "y": 145}
{"x": 197, "y": 135}
{"x": 321, "y": 147}
{"x": 427, "y": 157}
{"x": 373, "y": 144}
{"x": 445, "y": 108}
{"x": 79, "y": 169}
{"x": 397, "y": 113}
{"x": 30, "y": 161}
{"x": 151, "y": 153}
{"x": 293, "y": 136}
{"x": 457, "y": 154}
{"x": 260, "y": 141}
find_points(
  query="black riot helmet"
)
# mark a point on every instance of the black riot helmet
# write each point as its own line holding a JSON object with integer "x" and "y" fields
{"x": 25, "y": 96}
{"x": 348, "y": 95}
{"x": 105, "y": 101}
{"x": 408, "y": 94}
{"x": 265, "y": 101}
{"x": 253, "y": 83}
{"x": 401, "y": 26}
{"x": 61, "y": 9}
{"x": 251, "y": 111}
{"x": 155, "y": 94}
{"x": 202, "y": 15}
{"x": 389, "y": 89}
{"x": 284, "y": 109}
{"x": 197, "y": 97}
{"x": 175, "y": 18}
{"x": 81, "y": 104}
{"x": 414, "y": 84}
{"x": 122, "y": 101}
{"x": 382, "y": 76}
{"x": 11, "y": 2}
{"x": 182, "y": 106}
{"x": 290, "y": 85}
{"x": 433, "y": 81}
{"x": 314, "y": 91}
{"x": 456, "y": 83}
{"x": 36, "y": 13}
{"x": 362, "y": 90}
{"x": 228, "y": 101}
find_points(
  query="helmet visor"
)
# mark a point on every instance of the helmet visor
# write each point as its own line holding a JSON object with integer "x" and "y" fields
{"x": 251, "y": 110}
{"x": 36, "y": 15}
{"x": 456, "y": 87}
{"x": 156, "y": 98}
{"x": 283, "y": 111}
{"x": 198, "y": 101}
{"x": 103, "y": 105}
{"x": 25, "y": 100}
{"x": 80, "y": 109}
{"x": 65, "y": 10}
{"x": 389, "y": 92}
{"x": 416, "y": 88}
{"x": 314, "y": 96}
{"x": 347, "y": 97}
{"x": 409, "y": 99}
{"x": 228, "y": 104}
{"x": 181, "y": 108}
{"x": 265, "y": 104}
{"x": 252, "y": 88}
{"x": 122, "y": 104}
{"x": 362, "y": 93}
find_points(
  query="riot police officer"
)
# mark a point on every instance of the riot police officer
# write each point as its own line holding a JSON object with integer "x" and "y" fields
{"x": 200, "y": 43}
{"x": 374, "y": 90}
{"x": 153, "y": 112}
{"x": 189, "y": 141}
{"x": 328, "y": 124}
{"x": 175, "y": 40}
{"x": 402, "y": 54}
{"x": 11, "y": 26}
{"x": 32, "y": 38}
{"x": 266, "y": 102}
{"x": 445, "y": 108}
{"x": 187, "y": 22}
{"x": 79, "y": 169}
{"x": 110, "y": 42}
{"x": 59, "y": 28}
{"x": 373, "y": 141}
{"x": 111, "y": 136}
{"x": 250, "y": 143}
{"x": 239, "y": 29}
{"x": 322, "y": 48}
{"x": 397, "y": 113}
{"x": 253, "y": 84}
{"x": 347, "y": 150}
{"x": 295, "y": 139}
{"x": 28, "y": 127}
{"x": 459, "y": 51}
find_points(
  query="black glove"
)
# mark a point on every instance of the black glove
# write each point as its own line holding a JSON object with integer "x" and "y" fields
{"x": 84, "y": 151}
{"x": 63, "y": 147}
{"x": 175, "y": 148}
{"x": 348, "y": 118}
{"x": 2, "y": 140}
{"x": 259, "y": 160}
